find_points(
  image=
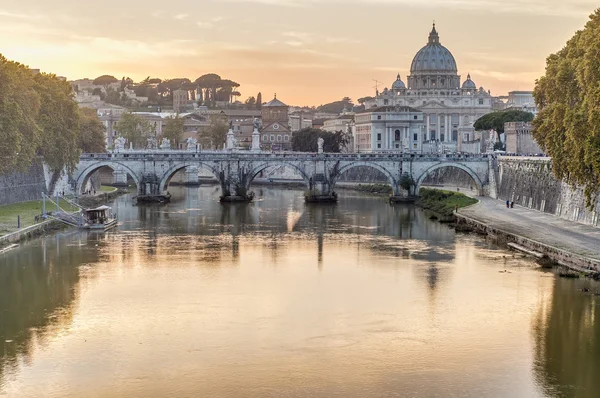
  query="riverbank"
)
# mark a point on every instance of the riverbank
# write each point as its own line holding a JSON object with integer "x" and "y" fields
{"x": 443, "y": 203}
{"x": 569, "y": 244}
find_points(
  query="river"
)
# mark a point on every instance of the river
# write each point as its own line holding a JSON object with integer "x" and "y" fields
{"x": 278, "y": 298}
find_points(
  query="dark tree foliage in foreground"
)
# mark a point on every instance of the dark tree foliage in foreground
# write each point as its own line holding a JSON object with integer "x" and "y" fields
{"x": 306, "y": 140}
{"x": 568, "y": 99}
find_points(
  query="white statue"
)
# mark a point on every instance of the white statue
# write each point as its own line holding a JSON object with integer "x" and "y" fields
{"x": 151, "y": 143}
{"x": 191, "y": 144}
{"x": 256, "y": 124}
{"x": 119, "y": 144}
{"x": 320, "y": 143}
{"x": 165, "y": 144}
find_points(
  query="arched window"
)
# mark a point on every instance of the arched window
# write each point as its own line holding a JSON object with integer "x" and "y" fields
{"x": 397, "y": 135}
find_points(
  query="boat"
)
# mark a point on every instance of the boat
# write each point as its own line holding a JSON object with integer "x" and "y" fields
{"x": 98, "y": 219}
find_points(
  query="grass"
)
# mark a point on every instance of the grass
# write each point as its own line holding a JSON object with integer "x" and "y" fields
{"x": 372, "y": 188}
{"x": 443, "y": 202}
{"x": 107, "y": 189}
{"x": 27, "y": 211}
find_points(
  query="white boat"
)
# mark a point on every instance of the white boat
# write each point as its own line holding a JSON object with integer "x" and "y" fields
{"x": 99, "y": 219}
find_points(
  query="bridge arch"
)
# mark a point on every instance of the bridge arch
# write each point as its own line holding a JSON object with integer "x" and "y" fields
{"x": 392, "y": 179}
{"x": 168, "y": 175}
{"x": 84, "y": 176}
{"x": 442, "y": 165}
{"x": 265, "y": 165}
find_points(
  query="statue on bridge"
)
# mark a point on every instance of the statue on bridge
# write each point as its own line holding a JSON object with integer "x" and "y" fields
{"x": 120, "y": 144}
{"x": 320, "y": 143}
{"x": 191, "y": 144}
{"x": 151, "y": 143}
{"x": 165, "y": 145}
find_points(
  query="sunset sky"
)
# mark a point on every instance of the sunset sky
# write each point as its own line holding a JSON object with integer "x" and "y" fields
{"x": 307, "y": 51}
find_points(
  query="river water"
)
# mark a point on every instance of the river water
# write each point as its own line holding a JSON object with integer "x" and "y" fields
{"x": 281, "y": 299}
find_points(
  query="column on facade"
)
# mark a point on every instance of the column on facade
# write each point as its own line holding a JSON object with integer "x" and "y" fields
{"x": 448, "y": 138}
{"x": 426, "y": 137}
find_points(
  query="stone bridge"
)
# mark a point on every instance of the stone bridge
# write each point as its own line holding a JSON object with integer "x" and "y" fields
{"x": 152, "y": 170}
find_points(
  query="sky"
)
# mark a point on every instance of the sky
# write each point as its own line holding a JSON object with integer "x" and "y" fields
{"x": 309, "y": 52}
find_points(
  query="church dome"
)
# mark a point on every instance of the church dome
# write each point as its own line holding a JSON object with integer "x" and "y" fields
{"x": 469, "y": 84}
{"x": 433, "y": 58}
{"x": 398, "y": 84}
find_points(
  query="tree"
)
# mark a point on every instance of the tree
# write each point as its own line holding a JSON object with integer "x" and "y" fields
{"x": 250, "y": 102}
{"x": 58, "y": 118}
{"x": 337, "y": 107}
{"x": 174, "y": 129}
{"x": 259, "y": 101}
{"x": 567, "y": 126}
{"x": 209, "y": 83}
{"x": 105, "y": 81}
{"x": 135, "y": 129}
{"x": 306, "y": 140}
{"x": 19, "y": 107}
{"x": 215, "y": 134}
{"x": 496, "y": 120}
{"x": 92, "y": 133}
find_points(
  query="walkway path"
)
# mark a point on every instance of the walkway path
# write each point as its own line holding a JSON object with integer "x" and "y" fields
{"x": 576, "y": 238}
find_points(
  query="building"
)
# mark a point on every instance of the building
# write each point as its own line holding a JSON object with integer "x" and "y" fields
{"x": 519, "y": 139}
{"x": 275, "y": 132}
{"x": 345, "y": 124}
{"x": 434, "y": 87}
{"x": 521, "y": 100}
{"x": 242, "y": 123}
{"x": 389, "y": 128}
{"x": 299, "y": 120}
{"x": 180, "y": 100}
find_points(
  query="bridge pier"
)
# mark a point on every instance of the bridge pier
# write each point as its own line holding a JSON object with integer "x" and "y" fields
{"x": 120, "y": 178}
{"x": 234, "y": 187}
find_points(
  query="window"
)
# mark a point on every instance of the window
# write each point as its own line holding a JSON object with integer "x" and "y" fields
{"x": 415, "y": 137}
{"x": 454, "y": 135}
{"x": 272, "y": 137}
{"x": 286, "y": 138}
{"x": 480, "y": 102}
{"x": 265, "y": 138}
{"x": 397, "y": 146}
{"x": 379, "y": 137}
{"x": 385, "y": 102}
{"x": 397, "y": 135}
{"x": 379, "y": 146}
{"x": 415, "y": 117}
{"x": 279, "y": 137}
{"x": 378, "y": 117}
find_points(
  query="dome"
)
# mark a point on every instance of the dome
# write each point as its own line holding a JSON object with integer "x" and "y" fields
{"x": 398, "y": 84}
{"x": 469, "y": 84}
{"x": 433, "y": 58}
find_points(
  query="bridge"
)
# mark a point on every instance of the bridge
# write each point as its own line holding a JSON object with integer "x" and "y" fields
{"x": 152, "y": 170}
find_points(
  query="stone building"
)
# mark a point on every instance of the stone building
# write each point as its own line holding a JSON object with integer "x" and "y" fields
{"x": 521, "y": 100}
{"x": 299, "y": 120}
{"x": 344, "y": 123}
{"x": 519, "y": 139}
{"x": 434, "y": 87}
{"x": 397, "y": 128}
{"x": 242, "y": 123}
{"x": 180, "y": 100}
{"x": 275, "y": 132}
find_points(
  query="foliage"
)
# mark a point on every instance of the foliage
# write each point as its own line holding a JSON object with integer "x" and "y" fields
{"x": 59, "y": 120}
{"x": 259, "y": 101}
{"x": 91, "y": 132}
{"x": 496, "y": 120}
{"x": 174, "y": 129}
{"x": 373, "y": 188}
{"x": 364, "y": 99}
{"x": 105, "y": 80}
{"x": 135, "y": 129}
{"x": 443, "y": 202}
{"x": 407, "y": 182}
{"x": 306, "y": 140}
{"x": 568, "y": 99}
{"x": 337, "y": 106}
{"x": 19, "y": 107}
{"x": 250, "y": 102}
{"x": 215, "y": 135}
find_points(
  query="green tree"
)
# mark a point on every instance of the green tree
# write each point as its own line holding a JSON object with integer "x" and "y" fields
{"x": 568, "y": 98}
{"x": 215, "y": 134}
{"x": 337, "y": 107}
{"x": 92, "y": 133}
{"x": 174, "y": 129}
{"x": 250, "y": 102}
{"x": 496, "y": 120}
{"x": 19, "y": 107}
{"x": 58, "y": 118}
{"x": 105, "y": 81}
{"x": 259, "y": 101}
{"x": 306, "y": 140}
{"x": 135, "y": 129}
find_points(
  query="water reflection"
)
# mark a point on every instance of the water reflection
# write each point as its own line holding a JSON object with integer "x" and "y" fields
{"x": 280, "y": 298}
{"x": 567, "y": 341}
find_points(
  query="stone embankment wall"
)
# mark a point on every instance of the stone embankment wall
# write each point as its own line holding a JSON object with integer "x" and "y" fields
{"x": 450, "y": 176}
{"x": 23, "y": 186}
{"x": 529, "y": 182}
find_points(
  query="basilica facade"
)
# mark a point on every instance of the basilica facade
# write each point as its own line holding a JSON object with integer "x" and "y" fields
{"x": 434, "y": 87}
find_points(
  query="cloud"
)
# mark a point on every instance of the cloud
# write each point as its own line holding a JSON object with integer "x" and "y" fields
{"x": 181, "y": 17}
{"x": 521, "y": 7}
{"x": 14, "y": 15}
{"x": 205, "y": 25}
